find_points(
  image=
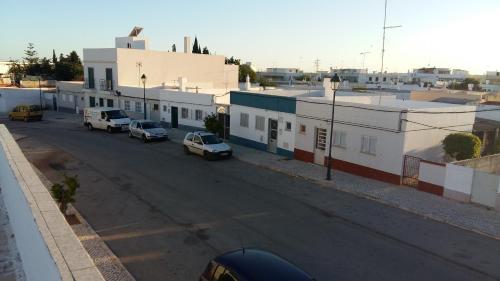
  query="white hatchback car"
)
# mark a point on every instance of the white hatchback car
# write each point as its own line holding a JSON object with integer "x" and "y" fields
{"x": 207, "y": 145}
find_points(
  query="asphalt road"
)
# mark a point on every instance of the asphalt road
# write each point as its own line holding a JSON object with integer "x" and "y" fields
{"x": 166, "y": 214}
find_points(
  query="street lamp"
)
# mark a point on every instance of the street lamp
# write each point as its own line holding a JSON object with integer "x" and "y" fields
{"x": 143, "y": 79}
{"x": 335, "y": 83}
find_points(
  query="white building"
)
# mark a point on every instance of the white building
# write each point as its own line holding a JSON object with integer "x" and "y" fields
{"x": 372, "y": 139}
{"x": 113, "y": 75}
{"x": 284, "y": 75}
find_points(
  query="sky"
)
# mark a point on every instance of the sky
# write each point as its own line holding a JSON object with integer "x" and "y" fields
{"x": 270, "y": 33}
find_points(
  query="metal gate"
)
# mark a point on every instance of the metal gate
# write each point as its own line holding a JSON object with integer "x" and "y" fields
{"x": 411, "y": 166}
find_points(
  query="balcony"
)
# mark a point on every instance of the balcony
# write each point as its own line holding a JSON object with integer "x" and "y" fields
{"x": 106, "y": 85}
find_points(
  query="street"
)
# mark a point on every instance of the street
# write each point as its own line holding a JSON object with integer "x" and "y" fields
{"x": 166, "y": 214}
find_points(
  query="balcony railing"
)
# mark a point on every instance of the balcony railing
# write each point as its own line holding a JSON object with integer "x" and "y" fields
{"x": 106, "y": 85}
{"x": 87, "y": 84}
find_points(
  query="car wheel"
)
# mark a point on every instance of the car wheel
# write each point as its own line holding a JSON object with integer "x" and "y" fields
{"x": 207, "y": 156}
{"x": 186, "y": 150}
{"x": 144, "y": 139}
{"x": 109, "y": 129}
{"x": 89, "y": 127}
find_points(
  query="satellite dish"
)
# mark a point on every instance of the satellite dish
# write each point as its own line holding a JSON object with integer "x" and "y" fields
{"x": 135, "y": 31}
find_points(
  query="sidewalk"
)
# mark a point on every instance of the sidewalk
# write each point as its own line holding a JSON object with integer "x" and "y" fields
{"x": 466, "y": 216}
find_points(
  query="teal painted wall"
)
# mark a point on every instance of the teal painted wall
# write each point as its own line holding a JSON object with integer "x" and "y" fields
{"x": 263, "y": 101}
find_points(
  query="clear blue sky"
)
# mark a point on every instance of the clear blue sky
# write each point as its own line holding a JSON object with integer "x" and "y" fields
{"x": 446, "y": 33}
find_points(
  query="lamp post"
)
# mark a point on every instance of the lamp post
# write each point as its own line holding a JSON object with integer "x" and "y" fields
{"x": 335, "y": 82}
{"x": 40, "y": 92}
{"x": 143, "y": 79}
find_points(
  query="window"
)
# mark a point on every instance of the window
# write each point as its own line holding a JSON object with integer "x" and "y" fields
{"x": 339, "y": 138}
{"x": 368, "y": 144}
{"x": 197, "y": 140}
{"x": 198, "y": 114}
{"x": 189, "y": 137}
{"x": 156, "y": 107}
{"x": 320, "y": 139}
{"x": 244, "y": 120}
{"x": 92, "y": 101}
{"x": 138, "y": 106}
{"x": 259, "y": 123}
{"x": 126, "y": 105}
{"x": 110, "y": 103}
{"x": 63, "y": 97}
{"x": 129, "y": 45}
{"x": 288, "y": 126}
{"x": 164, "y": 108}
{"x": 370, "y": 79}
{"x": 184, "y": 113}
{"x": 302, "y": 129}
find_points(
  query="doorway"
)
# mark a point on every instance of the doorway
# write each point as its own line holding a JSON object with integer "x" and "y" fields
{"x": 319, "y": 146}
{"x": 110, "y": 102}
{"x": 174, "y": 117}
{"x": 272, "y": 136}
{"x": 101, "y": 102}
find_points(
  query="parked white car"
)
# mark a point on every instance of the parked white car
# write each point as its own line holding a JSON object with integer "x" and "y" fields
{"x": 207, "y": 145}
{"x": 147, "y": 130}
{"x": 105, "y": 118}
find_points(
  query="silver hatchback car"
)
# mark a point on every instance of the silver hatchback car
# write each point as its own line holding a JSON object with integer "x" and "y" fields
{"x": 207, "y": 145}
{"x": 147, "y": 130}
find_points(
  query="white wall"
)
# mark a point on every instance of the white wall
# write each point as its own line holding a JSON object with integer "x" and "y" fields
{"x": 191, "y": 101}
{"x": 11, "y": 97}
{"x": 458, "y": 179}
{"x": 286, "y": 139}
{"x": 355, "y": 123}
{"x": 432, "y": 173}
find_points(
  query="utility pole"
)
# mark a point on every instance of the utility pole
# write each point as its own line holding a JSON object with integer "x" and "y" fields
{"x": 383, "y": 46}
{"x": 316, "y": 64}
{"x": 139, "y": 65}
{"x": 364, "y": 56}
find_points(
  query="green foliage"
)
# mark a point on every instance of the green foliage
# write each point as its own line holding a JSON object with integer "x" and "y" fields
{"x": 196, "y": 46}
{"x": 54, "y": 57}
{"x": 64, "y": 193}
{"x": 462, "y": 146}
{"x": 31, "y": 54}
{"x": 212, "y": 124}
{"x": 263, "y": 82}
{"x": 174, "y": 48}
{"x": 232, "y": 60}
{"x": 245, "y": 70}
{"x": 206, "y": 51}
{"x": 464, "y": 85}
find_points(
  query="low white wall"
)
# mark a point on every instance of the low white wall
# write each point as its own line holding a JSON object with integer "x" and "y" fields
{"x": 48, "y": 248}
{"x": 432, "y": 173}
{"x": 11, "y": 97}
{"x": 458, "y": 182}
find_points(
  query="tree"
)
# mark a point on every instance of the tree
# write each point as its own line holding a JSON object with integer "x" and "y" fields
{"x": 232, "y": 60}
{"x": 45, "y": 67}
{"x": 31, "y": 54}
{"x": 462, "y": 146}
{"x": 263, "y": 82}
{"x": 64, "y": 193}
{"x": 69, "y": 68}
{"x": 54, "y": 57}
{"x": 212, "y": 124}
{"x": 245, "y": 70}
{"x": 196, "y": 46}
{"x": 464, "y": 85}
{"x": 205, "y": 51}
{"x": 174, "y": 48}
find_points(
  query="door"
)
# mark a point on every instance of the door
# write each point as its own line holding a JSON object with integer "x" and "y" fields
{"x": 101, "y": 122}
{"x": 109, "y": 103}
{"x": 272, "y": 136}
{"x": 197, "y": 145}
{"x": 101, "y": 102}
{"x": 411, "y": 168}
{"x": 109, "y": 79}
{"x": 174, "y": 117}
{"x": 91, "y": 78}
{"x": 92, "y": 101}
{"x": 54, "y": 102}
{"x": 319, "y": 146}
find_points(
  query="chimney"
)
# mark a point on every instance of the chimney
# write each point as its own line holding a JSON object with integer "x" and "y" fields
{"x": 182, "y": 84}
{"x": 187, "y": 44}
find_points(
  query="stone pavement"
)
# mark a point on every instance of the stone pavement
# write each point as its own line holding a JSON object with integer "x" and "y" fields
{"x": 467, "y": 216}
{"x": 10, "y": 261}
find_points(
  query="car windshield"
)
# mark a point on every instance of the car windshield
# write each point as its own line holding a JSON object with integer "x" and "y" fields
{"x": 150, "y": 125}
{"x": 116, "y": 114}
{"x": 210, "y": 139}
{"x": 34, "y": 107}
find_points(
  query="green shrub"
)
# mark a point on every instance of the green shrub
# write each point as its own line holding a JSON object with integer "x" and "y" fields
{"x": 462, "y": 146}
{"x": 65, "y": 193}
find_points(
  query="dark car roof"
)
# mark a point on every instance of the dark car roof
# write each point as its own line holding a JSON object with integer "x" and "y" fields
{"x": 259, "y": 265}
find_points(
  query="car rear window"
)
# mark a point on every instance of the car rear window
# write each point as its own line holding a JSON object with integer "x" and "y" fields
{"x": 34, "y": 108}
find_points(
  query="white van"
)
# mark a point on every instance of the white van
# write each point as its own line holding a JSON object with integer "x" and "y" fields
{"x": 105, "y": 118}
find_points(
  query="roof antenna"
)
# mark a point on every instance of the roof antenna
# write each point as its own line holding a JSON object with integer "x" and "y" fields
{"x": 241, "y": 243}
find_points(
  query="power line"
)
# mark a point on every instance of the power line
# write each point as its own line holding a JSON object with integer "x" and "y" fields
{"x": 446, "y": 128}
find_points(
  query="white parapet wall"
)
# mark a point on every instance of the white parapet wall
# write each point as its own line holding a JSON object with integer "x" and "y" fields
{"x": 47, "y": 245}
